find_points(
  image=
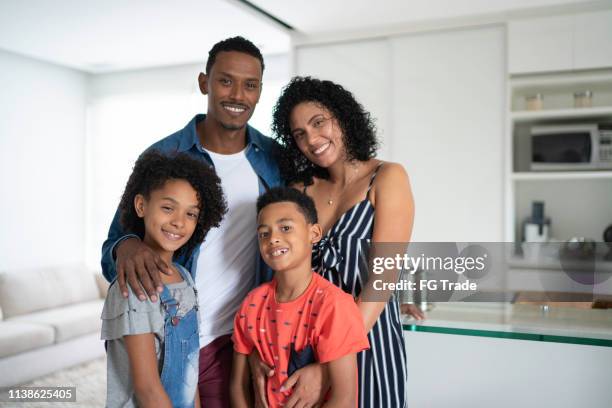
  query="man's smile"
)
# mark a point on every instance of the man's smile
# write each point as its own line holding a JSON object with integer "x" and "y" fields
{"x": 234, "y": 109}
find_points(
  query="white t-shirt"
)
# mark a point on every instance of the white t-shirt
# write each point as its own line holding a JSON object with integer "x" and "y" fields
{"x": 226, "y": 265}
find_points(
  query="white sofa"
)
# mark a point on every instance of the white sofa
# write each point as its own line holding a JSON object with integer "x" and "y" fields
{"x": 49, "y": 320}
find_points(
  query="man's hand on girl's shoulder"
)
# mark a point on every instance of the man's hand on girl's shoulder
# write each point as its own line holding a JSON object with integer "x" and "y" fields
{"x": 140, "y": 267}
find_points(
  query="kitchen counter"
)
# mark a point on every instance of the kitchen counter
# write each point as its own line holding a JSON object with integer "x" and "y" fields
{"x": 515, "y": 321}
{"x": 600, "y": 265}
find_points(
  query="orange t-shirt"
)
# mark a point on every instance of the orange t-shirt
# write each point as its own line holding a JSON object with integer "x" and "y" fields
{"x": 323, "y": 316}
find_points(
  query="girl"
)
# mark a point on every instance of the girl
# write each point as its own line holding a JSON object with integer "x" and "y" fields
{"x": 170, "y": 202}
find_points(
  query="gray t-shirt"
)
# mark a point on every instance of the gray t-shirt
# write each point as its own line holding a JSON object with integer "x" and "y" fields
{"x": 122, "y": 317}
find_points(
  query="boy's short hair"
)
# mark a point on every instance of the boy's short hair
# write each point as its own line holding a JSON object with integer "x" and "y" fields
{"x": 291, "y": 195}
{"x": 152, "y": 170}
{"x": 239, "y": 44}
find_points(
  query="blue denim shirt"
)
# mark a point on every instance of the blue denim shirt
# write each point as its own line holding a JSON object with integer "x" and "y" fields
{"x": 259, "y": 153}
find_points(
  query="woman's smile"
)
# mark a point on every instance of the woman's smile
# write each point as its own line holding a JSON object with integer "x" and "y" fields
{"x": 321, "y": 149}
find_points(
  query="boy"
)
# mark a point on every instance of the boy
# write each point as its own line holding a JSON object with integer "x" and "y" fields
{"x": 298, "y": 317}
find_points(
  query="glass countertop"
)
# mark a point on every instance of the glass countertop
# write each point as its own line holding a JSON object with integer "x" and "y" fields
{"x": 518, "y": 321}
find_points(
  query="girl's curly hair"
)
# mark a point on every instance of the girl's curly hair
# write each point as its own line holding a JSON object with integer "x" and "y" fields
{"x": 358, "y": 129}
{"x": 152, "y": 170}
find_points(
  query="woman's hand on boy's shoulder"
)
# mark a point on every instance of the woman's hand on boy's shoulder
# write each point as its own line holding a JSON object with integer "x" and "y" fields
{"x": 140, "y": 267}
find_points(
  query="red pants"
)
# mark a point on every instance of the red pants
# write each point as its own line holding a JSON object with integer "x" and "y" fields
{"x": 215, "y": 371}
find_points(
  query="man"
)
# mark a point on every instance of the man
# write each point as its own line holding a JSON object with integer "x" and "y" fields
{"x": 226, "y": 266}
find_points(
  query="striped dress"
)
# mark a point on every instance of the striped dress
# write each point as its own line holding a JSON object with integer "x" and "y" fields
{"x": 341, "y": 257}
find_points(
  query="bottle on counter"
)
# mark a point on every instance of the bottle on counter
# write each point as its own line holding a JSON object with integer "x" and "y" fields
{"x": 536, "y": 227}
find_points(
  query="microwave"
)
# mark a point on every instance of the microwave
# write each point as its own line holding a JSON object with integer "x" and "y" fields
{"x": 571, "y": 147}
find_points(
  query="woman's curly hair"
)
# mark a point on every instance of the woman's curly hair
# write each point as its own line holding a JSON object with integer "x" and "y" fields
{"x": 152, "y": 170}
{"x": 358, "y": 129}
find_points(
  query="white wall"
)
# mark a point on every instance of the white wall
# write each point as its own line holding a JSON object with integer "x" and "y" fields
{"x": 68, "y": 142}
{"x": 439, "y": 101}
{"x": 129, "y": 111}
{"x": 42, "y": 136}
{"x": 448, "y": 102}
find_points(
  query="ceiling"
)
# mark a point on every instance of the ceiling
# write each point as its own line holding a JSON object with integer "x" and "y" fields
{"x": 323, "y": 16}
{"x": 111, "y": 35}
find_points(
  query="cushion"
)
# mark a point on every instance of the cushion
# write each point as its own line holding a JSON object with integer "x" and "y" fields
{"x": 30, "y": 290}
{"x": 68, "y": 321}
{"x": 17, "y": 337}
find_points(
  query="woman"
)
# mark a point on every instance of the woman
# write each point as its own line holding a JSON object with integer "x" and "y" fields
{"x": 329, "y": 146}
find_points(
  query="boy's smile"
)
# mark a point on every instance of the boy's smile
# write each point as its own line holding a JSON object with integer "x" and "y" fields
{"x": 279, "y": 252}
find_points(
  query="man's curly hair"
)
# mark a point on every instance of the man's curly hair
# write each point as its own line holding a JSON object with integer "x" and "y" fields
{"x": 239, "y": 44}
{"x": 358, "y": 129}
{"x": 152, "y": 170}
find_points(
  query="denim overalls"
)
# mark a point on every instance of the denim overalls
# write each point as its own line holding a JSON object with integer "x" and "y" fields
{"x": 180, "y": 351}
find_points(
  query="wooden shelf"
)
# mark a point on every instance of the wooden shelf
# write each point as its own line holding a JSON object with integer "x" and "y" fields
{"x": 561, "y": 175}
{"x": 572, "y": 113}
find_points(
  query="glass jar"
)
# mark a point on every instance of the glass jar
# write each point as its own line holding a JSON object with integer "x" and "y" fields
{"x": 583, "y": 99}
{"x": 534, "y": 102}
